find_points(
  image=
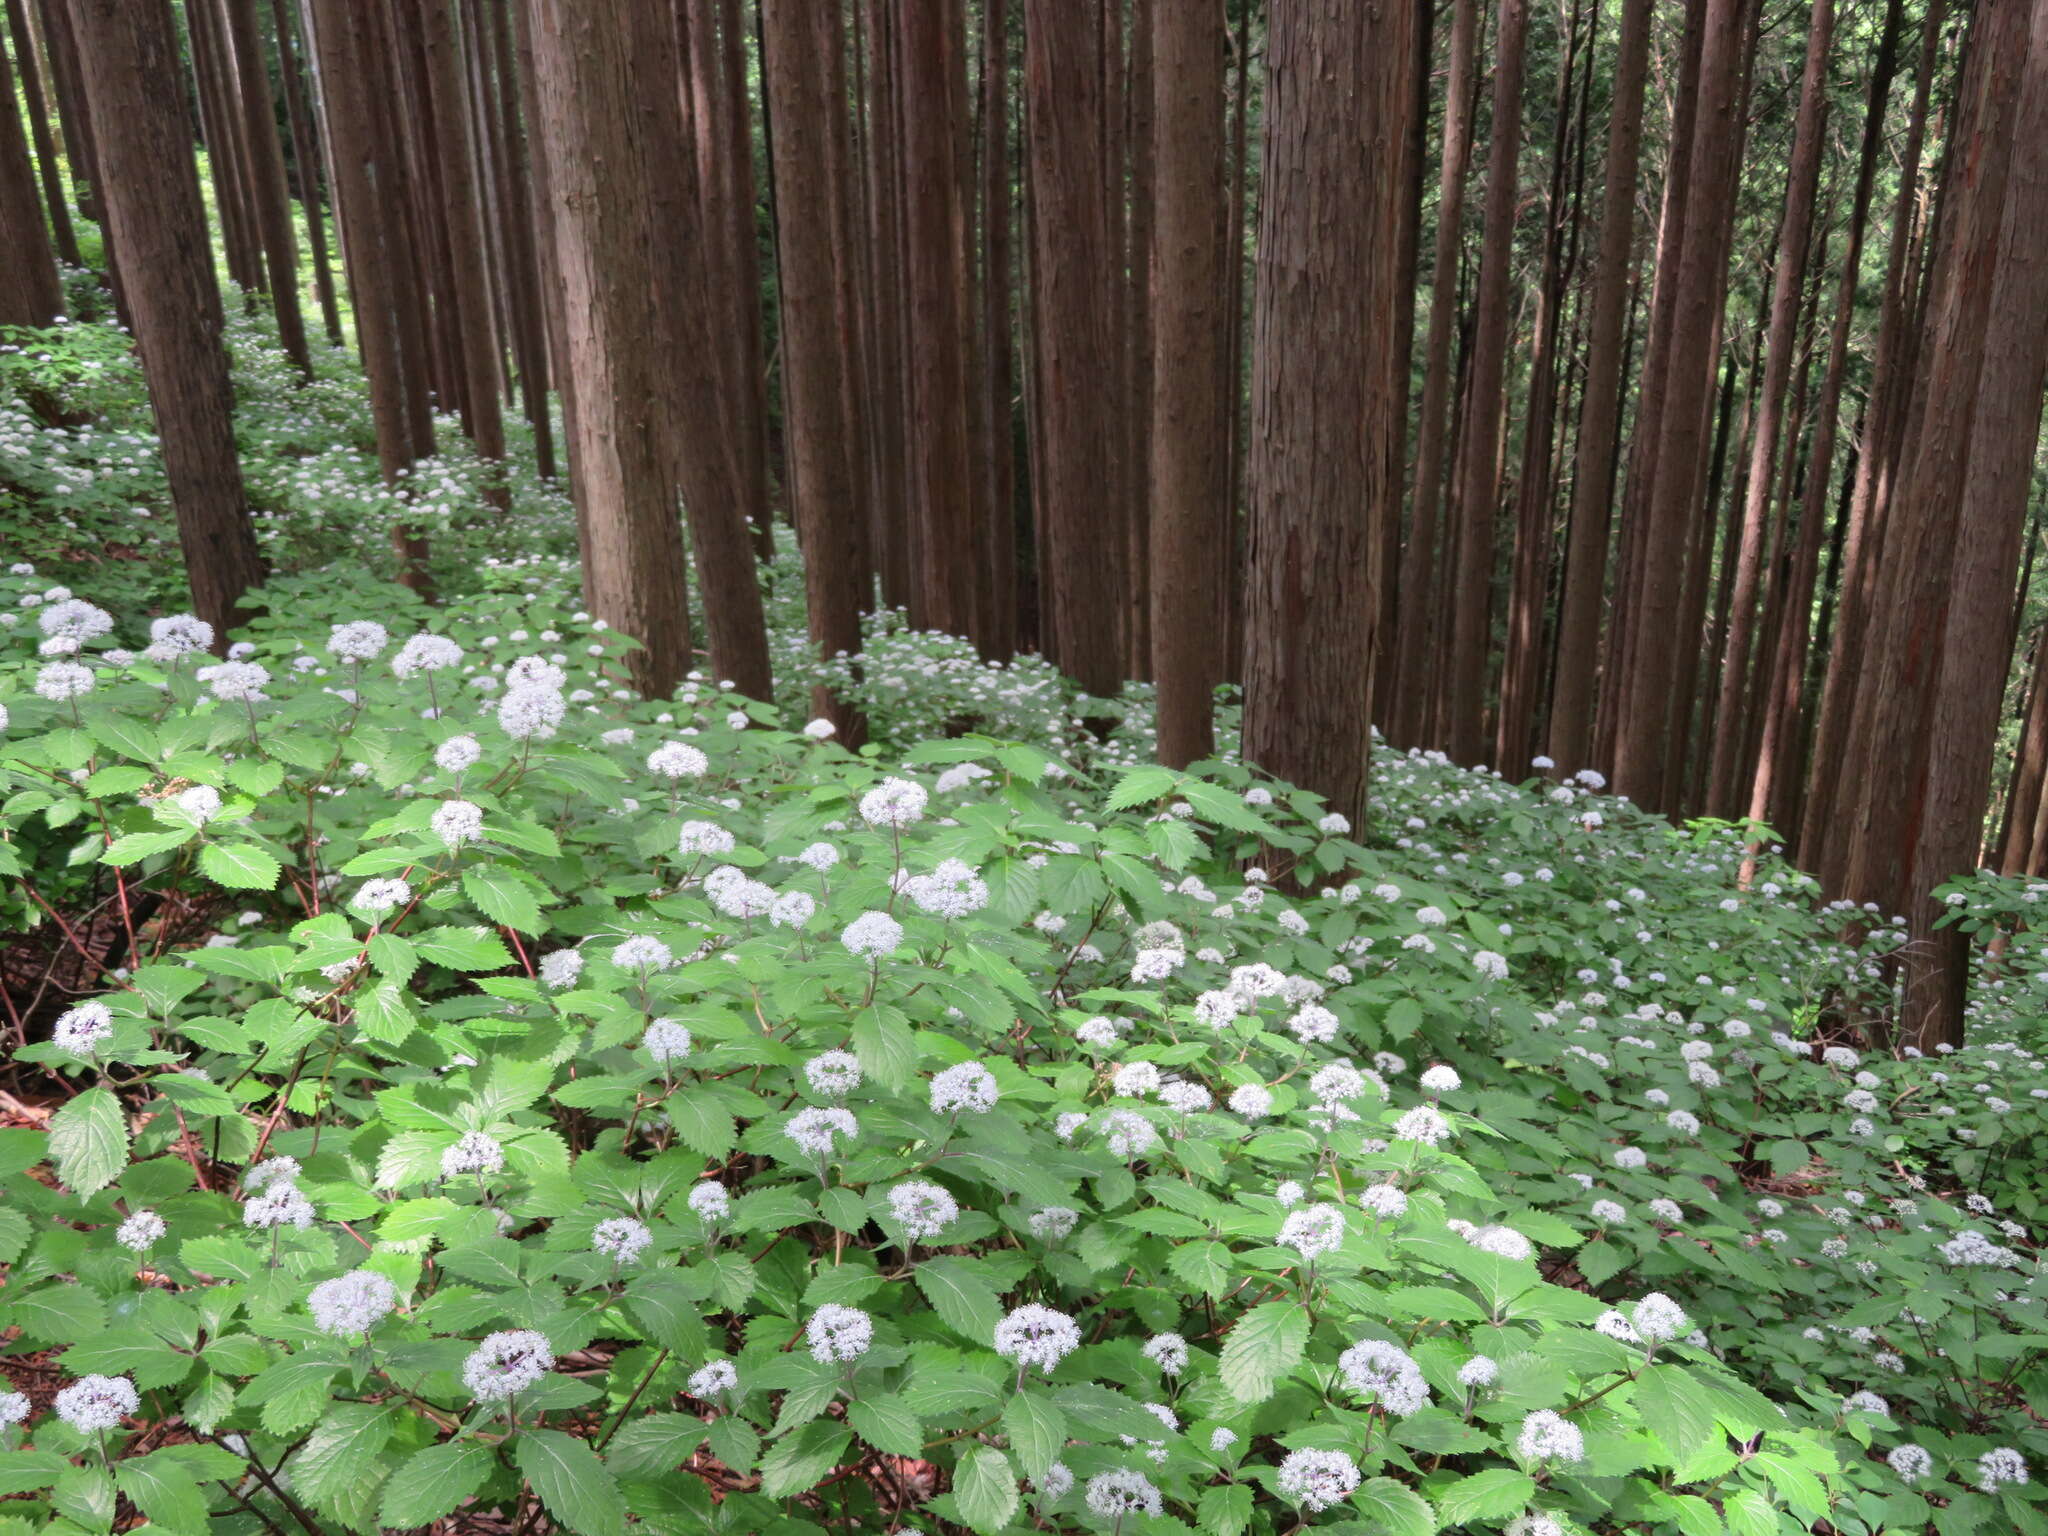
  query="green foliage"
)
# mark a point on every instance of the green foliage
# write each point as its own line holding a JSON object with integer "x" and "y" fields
{"x": 1648, "y": 1200}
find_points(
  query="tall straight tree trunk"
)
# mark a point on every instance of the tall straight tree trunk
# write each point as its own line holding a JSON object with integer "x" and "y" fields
{"x": 1711, "y": 165}
{"x": 998, "y": 351}
{"x": 64, "y": 237}
{"x": 1475, "y": 502}
{"x": 462, "y": 211}
{"x": 1530, "y": 570}
{"x": 1823, "y": 846}
{"x": 822, "y": 388}
{"x": 1907, "y": 629}
{"x": 221, "y": 122}
{"x": 1077, "y": 262}
{"x": 1651, "y": 385}
{"x": 514, "y": 171}
{"x": 29, "y": 291}
{"x": 886, "y": 311}
{"x": 1420, "y": 633}
{"x": 1975, "y": 650}
{"x": 1569, "y": 742}
{"x": 270, "y": 198}
{"x": 60, "y": 47}
{"x": 1329, "y": 384}
{"x": 943, "y": 497}
{"x": 150, "y": 195}
{"x": 306, "y": 159}
{"x": 1779, "y": 707}
{"x": 1802, "y": 178}
{"x": 2029, "y": 768}
{"x": 1135, "y": 261}
{"x": 730, "y": 290}
{"x": 1234, "y": 305}
{"x": 1191, "y": 402}
{"x": 346, "y": 39}
{"x": 605, "y": 87}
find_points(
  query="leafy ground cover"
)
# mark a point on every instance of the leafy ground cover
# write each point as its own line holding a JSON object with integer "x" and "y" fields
{"x": 470, "y": 1091}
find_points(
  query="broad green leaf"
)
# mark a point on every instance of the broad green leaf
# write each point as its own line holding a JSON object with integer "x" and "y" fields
{"x": 1677, "y": 1411}
{"x": 238, "y": 866}
{"x": 887, "y": 1425}
{"x": 164, "y": 1490}
{"x": 798, "y": 1463}
{"x": 504, "y": 897}
{"x": 985, "y": 1489}
{"x": 1037, "y": 1430}
{"x": 89, "y": 1141}
{"x": 573, "y": 1484}
{"x": 1225, "y": 1510}
{"x": 1395, "y": 1508}
{"x": 432, "y": 1482}
{"x": 1493, "y": 1494}
{"x": 963, "y": 1296}
{"x": 1265, "y": 1344}
{"x": 340, "y": 1469}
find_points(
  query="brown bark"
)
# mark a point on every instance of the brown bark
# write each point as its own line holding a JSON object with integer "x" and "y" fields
{"x": 462, "y": 212}
{"x": 1136, "y": 315}
{"x": 1991, "y": 518}
{"x": 1475, "y": 501}
{"x": 345, "y": 39}
{"x": 263, "y": 158}
{"x": 1823, "y": 845}
{"x": 943, "y": 496}
{"x": 1419, "y": 645}
{"x": 221, "y": 125}
{"x": 1794, "y": 238}
{"x": 1779, "y": 706}
{"x": 1906, "y": 634}
{"x": 885, "y": 311}
{"x": 1190, "y": 505}
{"x": 822, "y": 389}
{"x": 306, "y": 160}
{"x": 150, "y": 196}
{"x": 29, "y": 291}
{"x": 1574, "y": 671}
{"x": 607, "y": 107}
{"x": 1711, "y": 166}
{"x": 2029, "y": 769}
{"x": 1077, "y": 263}
{"x": 1530, "y": 568}
{"x": 1662, "y": 310}
{"x": 62, "y": 235}
{"x": 1328, "y": 387}
{"x": 998, "y": 352}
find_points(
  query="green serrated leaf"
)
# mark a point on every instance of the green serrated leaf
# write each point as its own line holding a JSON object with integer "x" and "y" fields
{"x": 340, "y": 1469}
{"x": 1493, "y": 1494}
{"x": 1264, "y": 1346}
{"x": 963, "y": 1296}
{"x": 431, "y": 1483}
{"x": 89, "y": 1141}
{"x": 238, "y": 866}
{"x": 1037, "y": 1429}
{"x": 576, "y": 1487}
{"x": 165, "y": 1490}
{"x": 799, "y": 1462}
{"x": 985, "y": 1489}
{"x": 887, "y": 1424}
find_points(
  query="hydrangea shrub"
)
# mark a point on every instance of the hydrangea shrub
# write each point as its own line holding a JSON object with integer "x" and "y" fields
{"x": 506, "y": 1095}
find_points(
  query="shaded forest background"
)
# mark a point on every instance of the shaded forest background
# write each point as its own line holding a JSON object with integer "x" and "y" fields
{"x": 1645, "y": 389}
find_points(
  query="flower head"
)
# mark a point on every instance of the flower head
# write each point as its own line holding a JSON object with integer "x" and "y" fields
{"x": 352, "y": 1303}
{"x": 1033, "y": 1335}
{"x": 95, "y": 1403}
{"x": 507, "y": 1363}
{"x": 1317, "y": 1479}
{"x": 839, "y": 1333}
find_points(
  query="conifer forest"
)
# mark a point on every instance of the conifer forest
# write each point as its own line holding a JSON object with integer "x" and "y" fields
{"x": 1110, "y": 767}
